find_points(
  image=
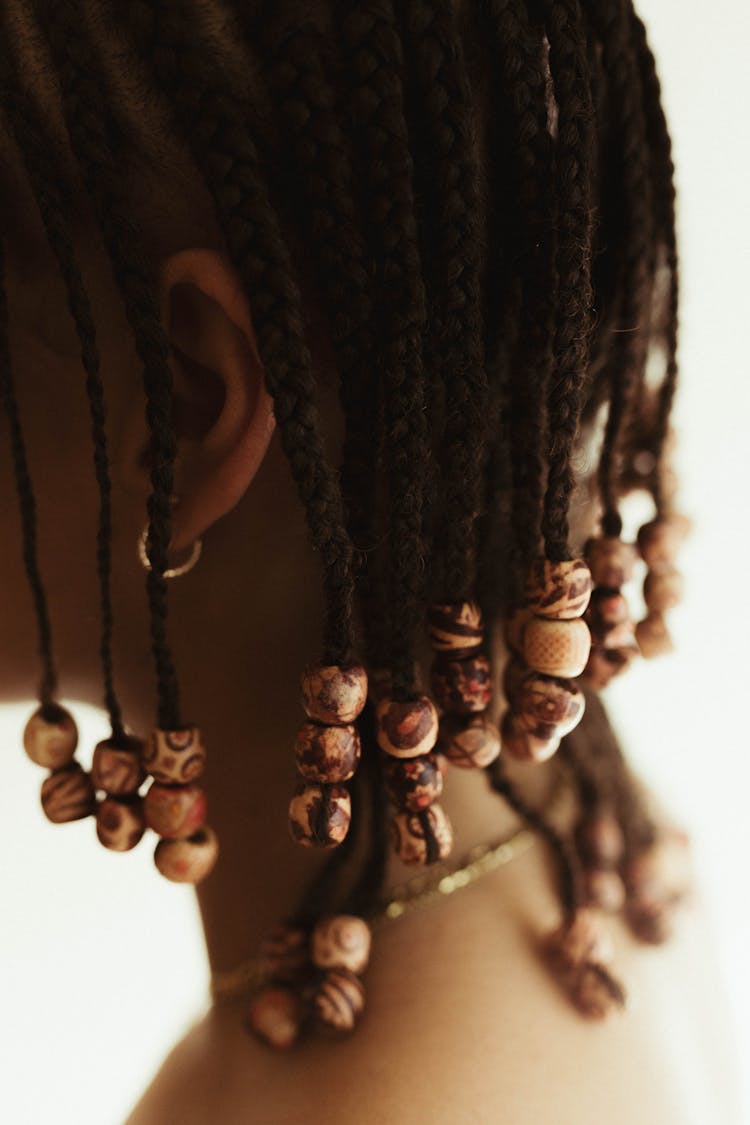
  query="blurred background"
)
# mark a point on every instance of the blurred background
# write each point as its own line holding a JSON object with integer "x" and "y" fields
{"x": 101, "y": 960}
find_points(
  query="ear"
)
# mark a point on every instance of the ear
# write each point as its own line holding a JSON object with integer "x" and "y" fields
{"x": 223, "y": 413}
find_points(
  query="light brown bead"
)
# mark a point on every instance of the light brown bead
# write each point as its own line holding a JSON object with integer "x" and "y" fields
{"x": 51, "y": 737}
{"x": 455, "y": 629}
{"x": 175, "y": 757}
{"x": 660, "y": 540}
{"x": 275, "y": 1016}
{"x": 68, "y": 794}
{"x": 557, "y": 648}
{"x": 524, "y": 745}
{"x": 612, "y": 561}
{"x": 339, "y": 1000}
{"x": 595, "y": 992}
{"x": 469, "y": 740}
{"x": 422, "y": 838}
{"x": 188, "y": 861}
{"x": 334, "y": 694}
{"x": 600, "y": 839}
{"x": 406, "y": 729}
{"x": 609, "y": 619}
{"x": 413, "y": 783}
{"x": 285, "y": 953}
{"x": 327, "y": 754}
{"x": 653, "y": 636}
{"x": 341, "y": 942}
{"x": 549, "y": 700}
{"x": 663, "y": 589}
{"x": 462, "y": 686}
{"x": 116, "y": 766}
{"x": 120, "y": 823}
{"x": 558, "y": 590}
{"x": 515, "y": 627}
{"x": 175, "y": 811}
{"x": 605, "y": 890}
{"x": 319, "y": 815}
{"x": 581, "y": 940}
{"x": 604, "y": 664}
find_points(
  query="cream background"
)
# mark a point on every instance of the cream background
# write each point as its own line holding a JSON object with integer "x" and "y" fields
{"x": 101, "y": 961}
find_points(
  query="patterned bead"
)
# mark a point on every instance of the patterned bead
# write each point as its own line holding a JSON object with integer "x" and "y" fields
{"x": 319, "y": 815}
{"x": 604, "y": 664}
{"x": 612, "y": 561}
{"x": 188, "y": 861}
{"x": 557, "y": 648}
{"x": 51, "y": 737}
{"x": 120, "y": 823}
{"x": 660, "y": 540}
{"x": 332, "y": 694}
{"x": 469, "y": 741}
{"x": 605, "y": 890}
{"x": 339, "y": 1000}
{"x": 341, "y": 942}
{"x": 275, "y": 1016}
{"x": 68, "y": 794}
{"x": 547, "y": 699}
{"x": 579, "y": 941}
{"x": 455, "y": 629}
{"x": 422, "y": 838}
{"x": 116, "y": 766}
{"x": 663, "y": 589}
{"x": 558, "y": 590}
{"x": 413, "y": 783}
{"x": 653, "y": 636}
{"x": 406, "y": 729}
{"x": 462, "y": 686}
{"x": 327, "y": 754}
{"x": 175, "y": 811}
{"x": 515, "y": 627}
{"x": 607, "y": 614}
{"x": 175, "y": 756}
{"x": 525, "y": 745}
{"x": 284, "y": 953}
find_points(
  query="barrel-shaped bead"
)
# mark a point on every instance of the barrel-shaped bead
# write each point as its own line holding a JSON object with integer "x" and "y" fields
{"x": 557, "y": 648}
{"x": 327, "y": 754}
{"x": 422, "y": 838}
{"x": 455, "y": 629}
{"x": 175, "y": 811}
{"x": 406, "y": 729}
{"x": 51, "y": 737}
{"x": 319, "y": 815}
{"x": 68, "y": 794}
{"x": 341, "y": 942}
{"x": 339, "y": 1000}
{"x": 462, "y": 686}
{"x": 549, "y": 699}
{"x": 175, "y": 757}
{"x": 660, "y": 540}
{"x": 275, "y": 1016}
{"x": 558, "y": 590}
{"x": 413, "y": 783}
{"x": 663, "y": 589}
{"x": 653, "y": 636}
{"x": 528, "y": 746}
{"x": 188, "y": 861}
{"x": 334, "y": 694}
{"x": 604, "y": 890}
{"x": 116, "y": 766}
{"x": 120, "y": 822}
{"x": 611, "y": 560}
{"x": 469, "y": 741}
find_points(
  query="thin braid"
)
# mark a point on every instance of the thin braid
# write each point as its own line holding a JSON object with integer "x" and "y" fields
{"x": 84, "y": 97}
{"x": 35, "y": 149}
{"x": 213, "y": 126}
{"x": 574, "y": 151}
{"x": 452, "y": 262}
{"x": 373, "y": 55}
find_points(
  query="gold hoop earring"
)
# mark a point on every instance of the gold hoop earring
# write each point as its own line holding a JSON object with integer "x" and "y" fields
{"x": 176, "y": 571}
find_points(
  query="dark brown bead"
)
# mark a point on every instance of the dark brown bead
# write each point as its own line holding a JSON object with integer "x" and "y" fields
{"x": 68, "y": 794}
{"x": 120, "y": 822}
{"x": 406, "y": 729}
{"x": 469, "y": 740}
{"x": 609, "y": 619}
{"x": 413, "y": 783}
{"x": 455, "y": 629}
{"x": 334, "y": 694}
{"x": 558, "y": 590}
{"x": 423, "y": 837}
{"x": 175, "y": 811}
{"x": 285, "y": 953}
{"x": 604, "y": 664}
{"x": 319, "y": 815}
{"x": 600, "y": 839}
{"x": 525, "y": 745}
{"x": 275, "y": 1016}
{"x": 188, "y": 861}
{"x": 462, "y": 686}
{"x": 549, "y": 700}
{"x": 116, "y": 767}
{"x": 660, "y": 540}
{"x": 339, "y": 1000}
{"x": 175, "y": 757}
{"x": 51, "y": 737}
{"x": 612, "y": 561}
{"x": 327, "y": 754}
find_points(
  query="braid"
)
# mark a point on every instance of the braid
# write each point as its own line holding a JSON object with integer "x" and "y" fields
{"x": 35, "y": 148}
{"x": 575, "y": 140}
{"x": 83, "y": 97}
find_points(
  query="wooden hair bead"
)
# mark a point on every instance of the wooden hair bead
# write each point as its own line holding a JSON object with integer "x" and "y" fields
{"x": 455, "y": 629}
{"x": 333, "y": 694}
{"x": 612, "y": 561}
{"x": 653, "y": 636}
{"x": 117, "y": 768}
{"x": 579, "y": 941}
{"x": 51, "y": 737}
{"x": 319, "y": 815}
{"x": 285, "y": 953}
{"x": 604, "y": 664}
{"x": 175, "y": 757}
{"x": 406, "y": 729}
{"x": 607, "y": 612}
{"x": 327, "y": 754}
{"x": 605, "y": 890}
{"x": 341, "y": 942}
{"x": 660, "y": 540}
{"x": 188, "y": 861}
{"x": 558, "y": 590}
{"x": 462, "y": 686}
{"x": 600, "y": 839}
{"x": 557, "y": 648}
{"x": 68, "y": 794}
{"x": 423, "y": 837}
{"x": 413, "y": 783}
{"x": 120, "y": 823}
{"x": 339, "y": 1000}
{"x": 663, "y": 589}
{"x": 547, "y": 699}
{"x": 469, "y": 740}
{"x": 275, "y": 1016}
{"x": 175, "y": 811}
{"x": 525, "y": 745}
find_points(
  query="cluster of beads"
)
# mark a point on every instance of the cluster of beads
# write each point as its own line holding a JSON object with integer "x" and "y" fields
{"x": 175, "y": 807}
{"x": 50, "y": 740}
{"x": 311, "y": 976}
{"x": 613, "y": 634}
{"x": 117, "y": 773}
{"x": 327, "y": 751}
{"x": 658, "y": 542}
{"x": 551, "y": 642}
{"x": 601, "y": 847}
{"x": 580, "y": 955}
